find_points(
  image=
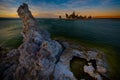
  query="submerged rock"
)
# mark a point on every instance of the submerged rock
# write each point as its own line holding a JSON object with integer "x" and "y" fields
{"x": 41, "y": 58}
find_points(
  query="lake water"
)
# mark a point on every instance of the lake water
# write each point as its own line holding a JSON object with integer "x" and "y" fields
{"x": 98, "y": 31}
{"x": 101, "y": 31}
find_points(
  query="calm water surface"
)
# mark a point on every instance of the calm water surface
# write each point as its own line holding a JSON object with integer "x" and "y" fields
{"x": 101, "y": 31}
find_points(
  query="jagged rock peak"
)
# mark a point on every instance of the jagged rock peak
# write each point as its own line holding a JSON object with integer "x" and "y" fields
{"x": 30, "y": 28}
{"x": 24, "y": 13}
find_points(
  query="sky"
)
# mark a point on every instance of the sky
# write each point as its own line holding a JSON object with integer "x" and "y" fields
{"x": 54, "y": 8}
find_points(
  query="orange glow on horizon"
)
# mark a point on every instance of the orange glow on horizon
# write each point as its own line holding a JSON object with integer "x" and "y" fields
{"x": 54, "y": 14}
{"x": 14, "y": 15}
{"x": 91, "y": 12}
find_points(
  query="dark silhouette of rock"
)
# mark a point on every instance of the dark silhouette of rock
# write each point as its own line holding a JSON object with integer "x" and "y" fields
{"x": 73, "y": 15}
{"x": 67, "y": 16}
{"x": 89, "y": 17}
{"x": 41, "y": 58}
{"x": 76, "y": 16}
{"x": 60, "y": 17}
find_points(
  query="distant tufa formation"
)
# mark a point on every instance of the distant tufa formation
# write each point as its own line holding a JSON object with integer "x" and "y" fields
{"x": 41, "y": 58}
{"x": 76, "y": 16}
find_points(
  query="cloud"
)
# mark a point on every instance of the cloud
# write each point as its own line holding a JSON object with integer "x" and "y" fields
{"x": 7, "y": 9}
{"x": 53, "y": 8}
{"x": 105, "y": 2}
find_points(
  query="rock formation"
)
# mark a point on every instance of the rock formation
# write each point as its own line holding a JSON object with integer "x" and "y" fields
{"x": 76, "y": 16}
{"x": 41, "y": 58}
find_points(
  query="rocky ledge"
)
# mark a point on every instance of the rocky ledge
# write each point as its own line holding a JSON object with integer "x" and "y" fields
{"x": 41, "y": 58}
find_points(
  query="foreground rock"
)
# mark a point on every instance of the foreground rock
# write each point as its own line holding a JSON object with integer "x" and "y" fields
{"x": 41, "y": 58}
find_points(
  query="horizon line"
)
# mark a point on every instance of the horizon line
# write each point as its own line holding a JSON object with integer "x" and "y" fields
{"x": 96, "y": 17}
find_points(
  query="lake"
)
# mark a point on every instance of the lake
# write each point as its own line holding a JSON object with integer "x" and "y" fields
{"x": 96, "y": 31}
{"x": 103, "y": 31}
{"x": 100, "y": 31}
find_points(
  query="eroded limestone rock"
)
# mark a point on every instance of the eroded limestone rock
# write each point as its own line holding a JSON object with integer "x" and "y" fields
{"x": 41, "y": 58}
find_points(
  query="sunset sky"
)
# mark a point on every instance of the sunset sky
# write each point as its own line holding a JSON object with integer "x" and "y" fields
{"x": 54, "y": 8}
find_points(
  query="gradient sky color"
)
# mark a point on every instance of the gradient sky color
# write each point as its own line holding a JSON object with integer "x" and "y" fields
{"x": 54, "y": 8}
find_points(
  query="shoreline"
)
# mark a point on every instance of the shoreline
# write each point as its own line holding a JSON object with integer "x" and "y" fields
{"x": 109, "y": 51}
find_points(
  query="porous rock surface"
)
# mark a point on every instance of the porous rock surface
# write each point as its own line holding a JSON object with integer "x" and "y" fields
{"x": 41, "y": 58}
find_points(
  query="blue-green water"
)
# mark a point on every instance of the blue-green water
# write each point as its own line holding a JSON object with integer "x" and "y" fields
{"x": 101, "y": 31}
{"x": 10, "y": 32}
{"x": 97, "y": 31}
